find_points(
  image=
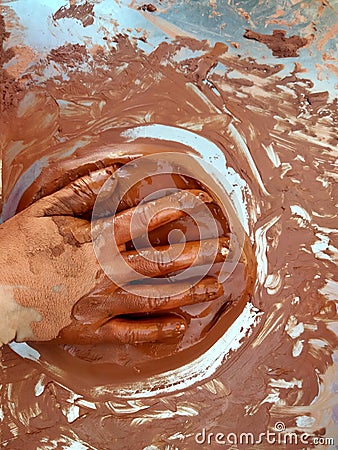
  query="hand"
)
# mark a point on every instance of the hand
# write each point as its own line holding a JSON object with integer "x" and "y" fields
{"x": 49, "y": 268}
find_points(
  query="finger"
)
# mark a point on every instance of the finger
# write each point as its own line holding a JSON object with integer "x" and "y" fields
{"x": 135, "y": 331}
{"x": 146, "y": 217}
{"x": 60, "y": 173}
{"x": 130, "y": 191}
{"x": 161, "y": 261}
{"x": 187, "y": 225}
{"x": 126, "y": 331}
{"x": 78, "y": 197}
{"x": 145, "y": 299}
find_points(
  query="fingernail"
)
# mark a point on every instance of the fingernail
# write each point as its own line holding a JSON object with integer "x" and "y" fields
{"x": 223, "y": 247}
{"x": 204, "y": 197}
{"x": 170, "y": 329}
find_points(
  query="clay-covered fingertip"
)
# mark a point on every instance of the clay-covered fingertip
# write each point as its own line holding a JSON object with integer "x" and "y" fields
{"x": 172, "y": 328}
{"x": 202, "y": 195}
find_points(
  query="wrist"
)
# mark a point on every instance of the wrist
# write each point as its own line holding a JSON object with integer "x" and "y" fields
{"x": 16, "y": 319}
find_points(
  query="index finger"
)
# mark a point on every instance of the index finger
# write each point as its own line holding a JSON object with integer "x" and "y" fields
{"x": 78, "y": 197}
{"x": 99, "y": 306}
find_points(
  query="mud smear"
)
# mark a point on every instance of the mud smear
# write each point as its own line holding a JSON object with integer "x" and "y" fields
{"x": 10, "y": 90}
{"x": 280, "y": 137}
{"x": 281, "y": 46}
{"x": 82, "y": 12}
{"x": 148, "y": 7}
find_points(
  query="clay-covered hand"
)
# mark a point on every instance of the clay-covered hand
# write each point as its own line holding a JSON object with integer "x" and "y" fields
{"x": 48, "y": 265}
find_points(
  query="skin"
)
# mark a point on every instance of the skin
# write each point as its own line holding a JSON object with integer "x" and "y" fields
{"x": 49, "y": 269}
